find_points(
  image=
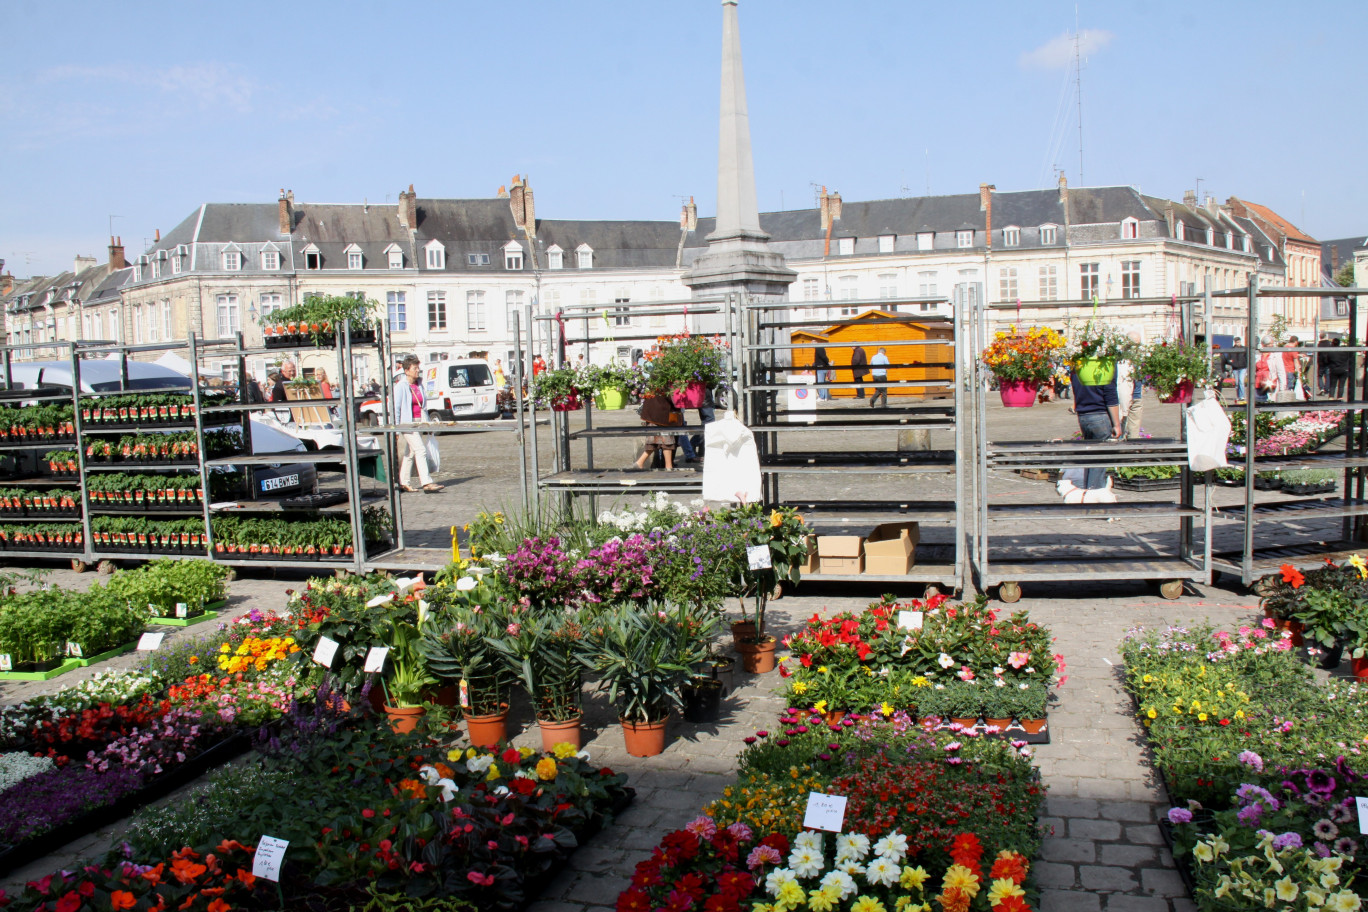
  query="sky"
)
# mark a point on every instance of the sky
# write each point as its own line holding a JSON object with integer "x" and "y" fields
{"x": 144, "y": 110}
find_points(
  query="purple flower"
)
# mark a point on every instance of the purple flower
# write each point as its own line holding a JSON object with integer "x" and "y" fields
{"x": 1252, "y": 760}
{"x": 1320, "y": 781}
{"x": 1249, "y": 816}
{"x": 1179, "y": 815}
{"x": 782, "y": 742}
{"x": 1287, "y": 840}
{"x": 1324, "y": 829}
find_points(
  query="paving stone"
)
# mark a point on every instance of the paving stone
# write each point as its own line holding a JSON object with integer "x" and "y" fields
{"x": 1069, "y": 901}
{"x": 1094, "y": 829}
{"x": 1103, "y": 789}
{"x": 595, "y": 857}
{"x": 1127, "y": 855}
{"x": 554, "y": 905}
{"x": 1075, "y": 850}
{"x": 597, "y": 888}
{"x": 1162, "y": 881}
{"x": 1181, "y": 904}
{"x": 1058, "y": 806}
{"x": 1144, "y": 835}
{"x": 1049, "y": 874}
{"x": 1107, "y": 878}
{"x": 1120, "y": 902}
{"x": 1128, "y": 811}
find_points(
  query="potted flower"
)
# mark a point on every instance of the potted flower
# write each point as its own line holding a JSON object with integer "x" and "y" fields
{"x": 543, "y": 654}
{"x": 782, "y": 535}
{"x": 1021, "y": 361}
{"x": 458, "y": 649}
{"x": 684, "y": 367}
{"x": 1175, "y": 368}
{"x": 1093, "y": 350}
{"x": 406, "y": 684}
{"x": 562, "y": 388}
{"x": 611, "y": 384}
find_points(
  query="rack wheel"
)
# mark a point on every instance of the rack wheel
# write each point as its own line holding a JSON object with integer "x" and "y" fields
{"x": 1171, "y": 589}
{"x": 78, "y": 565}
{"x": 1009, "y": 592}
{"x": 931, "y": 592}
{"x": 777, "y": 592}
{"x": 106, "y": 568}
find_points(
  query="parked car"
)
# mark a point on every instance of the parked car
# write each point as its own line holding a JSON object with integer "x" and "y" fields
{"x": 457, "y": 390}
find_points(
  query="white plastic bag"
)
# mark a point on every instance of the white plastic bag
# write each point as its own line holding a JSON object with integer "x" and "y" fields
{"x": 731, "y": 465}
{"x": 434, "y": 456}
{"x": 1208, "y": 433}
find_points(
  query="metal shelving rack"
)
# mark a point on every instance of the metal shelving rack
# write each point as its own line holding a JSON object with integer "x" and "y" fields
{"x": 1190, "y": 561}
{"x": 761, "y": 323}
{"x": 1255, "y": 559}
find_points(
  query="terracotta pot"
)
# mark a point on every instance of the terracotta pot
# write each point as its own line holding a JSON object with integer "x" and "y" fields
{"x": 963, "y": 722}
{"x": 404, "y": 719}
{"x": 1290, "y": 624}
{"x": 743, "y": 630}
{"x": 1033, "y": 726}
{"x": 553, "y": 733}
{"x": 1000, "y": 723}
{"x": 644, "y": 739}
{"x": 758, "y": 658}
{"x": 834, "y": 717}
{"x": 1181, "y": 393}
{"x": 1018, "y": 393}
{"x": 1360, "y": 667}
{"x": 488, "y": 731}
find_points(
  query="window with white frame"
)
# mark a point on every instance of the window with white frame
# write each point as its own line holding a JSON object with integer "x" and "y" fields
{"x": 137, "y": 324}
{"x": 175, "y": 264}
{"x": 138, "y": 271}
{"x": 436, "y": 255}
{"x": 926, "y": 240}
{"x": 437, "y": 316}
{"x": 584, "y": 257}
{"x": 926, "y": 284}
{"x": 1049, "y": 283}
{"x": 1011, "y": 236}
{"x": 1008, "y": 289}
{"x": 396, "y": 257}
{"x": 555, "y": 257}
{"x": 1089, "y": 280}
{"x": 887, "y": 242}
{"x": 156, "y": 267}
{"x": 812, "y": 289}
{"x": 1178, "y": 230}
{"x": 849, "y": 286}
{"x": 477, "y": 259}
{"x": 513, "y": 302}
{"x": 622, "y": 314}
{"x": 232, "y": 260}
{"x": 888, "y": 285}
{"x": 513, "y": 255}
{"x": 845, "y": 246}
{"x": 657, "y": 320}
{"x": 475, "y": 311}
{"x": 964, "y": 238}
{"x": 229, "y": 321}
{"x": 1130, "y": 278}
{"x": 269, "y": 304}
{"x": 166, "y": 320}
{"x": 1130, "y": 228}
{"x": 588, "y": 297}
{"x": 270, "y": 260}
{"x": 355, "y": 260}
{"x": 396, "y": 307}
{"x": 1049, "y": 234}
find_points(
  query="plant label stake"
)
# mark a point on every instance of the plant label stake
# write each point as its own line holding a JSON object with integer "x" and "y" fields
{"x": 182, "y": 610}
{"x": 1362, "y": 813}
{"x": 149, "y": 642}
{"x": 74, "y": 649}
{"x": 375, "y": 659}
{"x": 325, "y": 651}
{"x": 6, "y": 663}
{"x": 824, "y": 812}
{"x": 758, "y": 557}
{"x": 270, "y": 853}
{"x": 465, "y": 693}
{"x": 910, "y": 620}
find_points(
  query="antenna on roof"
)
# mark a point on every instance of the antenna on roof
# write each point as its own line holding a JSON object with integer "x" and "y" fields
{"x": 816, "y": 193}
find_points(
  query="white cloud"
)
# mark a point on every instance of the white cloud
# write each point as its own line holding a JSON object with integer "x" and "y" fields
{"x": 207, "y": 84}
{"x": 1058, "y": 52}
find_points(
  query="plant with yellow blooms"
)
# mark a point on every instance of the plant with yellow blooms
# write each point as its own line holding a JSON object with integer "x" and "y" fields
{"x": 1030, "y": 355}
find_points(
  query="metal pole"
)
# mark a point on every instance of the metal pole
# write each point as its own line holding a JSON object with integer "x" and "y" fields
{"x": 205, "y": 496}
{"x": 87, "y": 539}
{"x": 531, "y": 408}
{"x": 1252, "y": 346}
{"x": 518, "y": 400}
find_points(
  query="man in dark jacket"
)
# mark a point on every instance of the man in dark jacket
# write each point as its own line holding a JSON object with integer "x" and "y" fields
{"x": 859, "y": 369}
{"x": 1099, "y": 418}
{"x": 1237, "y": 360}
{"x": 1340, "y": 364}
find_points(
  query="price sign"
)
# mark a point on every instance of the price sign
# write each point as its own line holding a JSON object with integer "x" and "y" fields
{"x": 825, "y": 812}
{"x": 465, "y": 694}
{"x": 910, "y": 620}
{"x": 149, "y": 642}
{"x": 6, "y": 663}
{"x": 74, "y": 650}
{"x": 325, "y": 652}
{"x": 758, "y": 557}
{"x": 380, "y": 600}
{"x": 182, "y": 610}
{"x": 375, "y": 659}
{"x": 270, "y": 855}
{"x": 1362, "y": 812}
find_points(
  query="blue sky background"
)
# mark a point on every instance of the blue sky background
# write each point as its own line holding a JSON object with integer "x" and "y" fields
{"x": 145, "y": 110}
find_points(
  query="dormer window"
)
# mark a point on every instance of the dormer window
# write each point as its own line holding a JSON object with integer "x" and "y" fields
{"x": 436, "y": 255}
{"x": 1178, "y": 230}
{"x": 395, "y": 255}
{"x": 555, "y": 257}
{"x": 1211, "y": 236}
{"x": 584, "y": 256}
{"x": 964, "y": 238}
{"x": 157, "y": 264}
{"x": 926, "y": 240}
{"x": 138, "y": 268}
{"x": 887, "y": 242}
{"x": 1130, "y": 229}
{"x": 1049, "y": 234}
{"x": 232, "y": 260}
{"x": 1011, "y": 236}
{"x": 313, "y": 258}
{"x": 270, "y": 260}
{"x": 845, "y": 246}
{"x": 355, "y": 259}
{"x": 1230, "y": 240}
{"x": 477, "y": 259}
{"x": 1244, "y": 243}
{"x": 513, "y": 255}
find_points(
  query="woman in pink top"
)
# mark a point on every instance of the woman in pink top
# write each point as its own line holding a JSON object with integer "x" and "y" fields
{"x": 408, "y": 409}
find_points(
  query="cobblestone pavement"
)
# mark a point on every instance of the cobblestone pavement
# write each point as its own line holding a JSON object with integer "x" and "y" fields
{"x": 1104, "y": 849}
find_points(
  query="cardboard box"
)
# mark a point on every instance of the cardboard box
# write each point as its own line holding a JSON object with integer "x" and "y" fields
{"x": 809, "y": 565}
{"x": 891, "y": 549}
{"x": 840, "y": 554}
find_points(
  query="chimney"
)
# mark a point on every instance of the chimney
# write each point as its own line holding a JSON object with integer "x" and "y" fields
{"x": 688, "y": 216}
{"x": 116, "y": 254}
{"x": 286, "y": 212}
{"x": 1190, "y": 199}
{"x": 81, "y": 264}
{"x": 503, "y": 192}
{"x": 1064, "y": 196}
{"x": 157, "y": 239}
{"x": 6, "y": 284}
{"x": 830, "y": 208}
{"x": 1334, "y": 259}
{"x": 515, "y": 201}
{"x": 408, "y": 208}
{"x": 1237, "y": 208}
{"x": 986, "y": 207}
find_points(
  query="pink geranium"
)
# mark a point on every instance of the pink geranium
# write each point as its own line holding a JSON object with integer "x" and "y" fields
{"x": 1018, "y": 659}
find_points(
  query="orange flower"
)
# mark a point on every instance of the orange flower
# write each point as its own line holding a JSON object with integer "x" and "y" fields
{"x": 413, "y": 787}
{"x": 443, "y": 770}
{"x": 154, "y": 875}
{"x": 122, "y": 899}
{"x": 185, "y": 870}
{"x": 231, "y": 845}
{"x": 954, "y": 900}
{"x": 219, "y": 905}
{"x": 247, "y": 878}
{"x": 1292, "y": 576}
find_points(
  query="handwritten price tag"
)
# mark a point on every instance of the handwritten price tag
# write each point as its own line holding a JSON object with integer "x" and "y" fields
{"x": 825, "y": 812}
{"x": 375, "y": 659}
{"x": 465, "y": 694}
{"x": 6, "y": 663}
{"x": 1363, "y": 815}
{"x": 325, "y": 652}
{"x": 910, "y": 620}
{"x": 270, "y": 855}
{"x": 74, "y": 650}
{"x": 150, "y": 642}
{"x": 758, "y": 557}
{"x": 182, "y": 610}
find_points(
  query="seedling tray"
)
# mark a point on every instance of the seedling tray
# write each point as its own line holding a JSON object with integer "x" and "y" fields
{"x": 87, "y": 661}
{"x": 68, "y": 665}
{"x": 184, "y": 622}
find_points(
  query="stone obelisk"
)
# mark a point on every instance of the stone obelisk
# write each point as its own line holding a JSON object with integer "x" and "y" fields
{"x": 738, "y": 257}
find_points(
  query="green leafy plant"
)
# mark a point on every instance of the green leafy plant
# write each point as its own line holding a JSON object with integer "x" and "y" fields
{"x": 642, "y": 655}
{"x": 1166, "y": 364}
{"x": 680, "y": 360}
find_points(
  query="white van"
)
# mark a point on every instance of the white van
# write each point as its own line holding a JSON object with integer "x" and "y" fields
{"x": 459, "y": 389}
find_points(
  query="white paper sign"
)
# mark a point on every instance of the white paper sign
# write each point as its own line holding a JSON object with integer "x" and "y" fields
{"x": 325, "y": 651}
{"x": 150, "y": 641}
{"x": 1363, "y": 815}
{"x": 375, "y": 659}
{"x": 825, "y": 812}
{"x": 182, "y": 610}
{"x": 758, "y": 557}
{"x": 910, "y": 620}
{"x": 6, "y": 663}
{"x": 380, "y": 600}
{"x": 74, "y": 649}
{"x": 270, "y": 854}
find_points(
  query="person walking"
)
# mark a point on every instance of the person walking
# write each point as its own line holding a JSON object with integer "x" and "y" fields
{"x": 859, "y": 369}
{"x": 1269, "y": 376}
{"x": 1292, "y": 369}
{"x": 1340, "y": 364}
{"x": 880, "y": 373}
{"x": 287, "y": 373}
{"x": 1099, "y": 418}
{"x": 1237, "y": 359}
{"x": 1323, "y": 366}
{"x": 408, "y": 409}
{"x": 822, "y": 364}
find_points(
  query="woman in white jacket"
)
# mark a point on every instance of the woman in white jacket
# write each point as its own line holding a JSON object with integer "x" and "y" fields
{"x": 408, "y": 409}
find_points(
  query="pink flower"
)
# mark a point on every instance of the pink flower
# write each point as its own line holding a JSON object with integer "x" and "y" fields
{"x": 513, "y": 629}
{"x": 762, "y": 855}
{"x": 480, "y": 880}
{"x": 966, "y": 673}
{"x": 1018, "y": 659}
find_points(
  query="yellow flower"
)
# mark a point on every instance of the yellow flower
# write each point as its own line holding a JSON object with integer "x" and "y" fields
{"x": 822, "y": 669}
{"x": 1148, "y": 679}
{"x": 1357, "y": 563}
{"x": 526, "y": 752}
{"x": 913, "y": 878}
{"x": 546, "y": 769}
{"x": 1002, "y": 888}
{"x": 820, "y": 706}
{"x": 455, "y": 756}
{"x": 958, "y": 876}
{"x": 564, "y": 750}
{"x": 1287, "y": 890}
{"x": 901, "y": 905}
{"x": 493, "y": 772}
{"x": 886, "y": 709}
{"x": 920, "y": 681}
{"x": 776, "y": 519}
{"x": 791, "y": 896}
{"x": 1152, "y": 714}
{"x": 867, "y": 904}
{"x": 1201, "y": 717}
{"x": 800, "y": 687}
{"x": 823, "y": 900}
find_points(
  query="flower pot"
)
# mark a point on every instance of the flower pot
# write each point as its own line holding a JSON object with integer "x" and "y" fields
{"x": 488, "y": 731}
{"x": 404, "y": 719}
{"x": 965, "y": 722}
{"x": 566, "y": 404}
{"x": 610, "y": 400}
{"x": 1330, "y": 657}
{"x": 644, "y": 739}
{"x": 691, "y": 397}
{"x": 567, "y": 732}
{"x": 1182, "y": 393}
{"x": 742, "y": 631}
{"x": 1289, "y": 624}
{"x": 834, "y": 717}
{"x": 1096, "y": 371}
{"x": 758, "y": 658}
{"x": 1018, "y": 393}
{"x": 1360, "y": 667}
{"x": 702, "y": 700}
{"x": 1033, "y": 726}
{"x": 1001, "y": 724}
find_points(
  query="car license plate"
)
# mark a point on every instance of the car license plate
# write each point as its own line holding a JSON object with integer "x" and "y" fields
{"x": 283, "y": 481}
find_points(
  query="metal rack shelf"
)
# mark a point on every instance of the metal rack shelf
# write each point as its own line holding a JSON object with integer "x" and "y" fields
{"x": 42, "y": 445}
{"x": 141, "y": 467}
{"x": 820, "y": 513}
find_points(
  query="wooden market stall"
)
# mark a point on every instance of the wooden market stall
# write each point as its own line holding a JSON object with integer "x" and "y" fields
{"x": 871, "y": 329}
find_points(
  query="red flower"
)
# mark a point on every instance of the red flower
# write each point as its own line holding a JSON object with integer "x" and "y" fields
{"x": 1292, "y": 576}
{"x": 367, "y": 813}
{"x": 511, "y": 755}
{"x": 69, "y": 903}
{"x": 480, "y": 880}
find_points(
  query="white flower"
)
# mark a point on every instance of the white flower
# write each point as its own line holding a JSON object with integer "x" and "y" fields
{"x": 945, "y": 660}
{"x": 851, "y": 846}
{"x": 479, "y": 764}
{"x": 428, "y": 774}
{"x": 806, "y": 861}
{"x": 893, "y": 847}
{"x": 449, "y": 789}
{"x": 1344, "y": 901}
{"x": 501, "y": 790}
{"x": 775, "y": 880}
{"x": 583, "y": 755}
{"x": 465, "y": 584}
{"x": 882, "y": 871}
{"x": 998, "y": 682}
{"x": 841, "y": 881}
{"x": 852, "y": 867}
{"x": 496, "y": 558}
{"x": 809, "y": 839}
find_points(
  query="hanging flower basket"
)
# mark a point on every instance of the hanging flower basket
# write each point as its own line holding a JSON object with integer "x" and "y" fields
{"x": 1182, "y": 393}
{"x": 1096, "y": 371}
{"x": 1018, "y": 393}
{"x": 610, "y": 400}
{"x": 569, "y": 403}
{"x": 691, "y": 397}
